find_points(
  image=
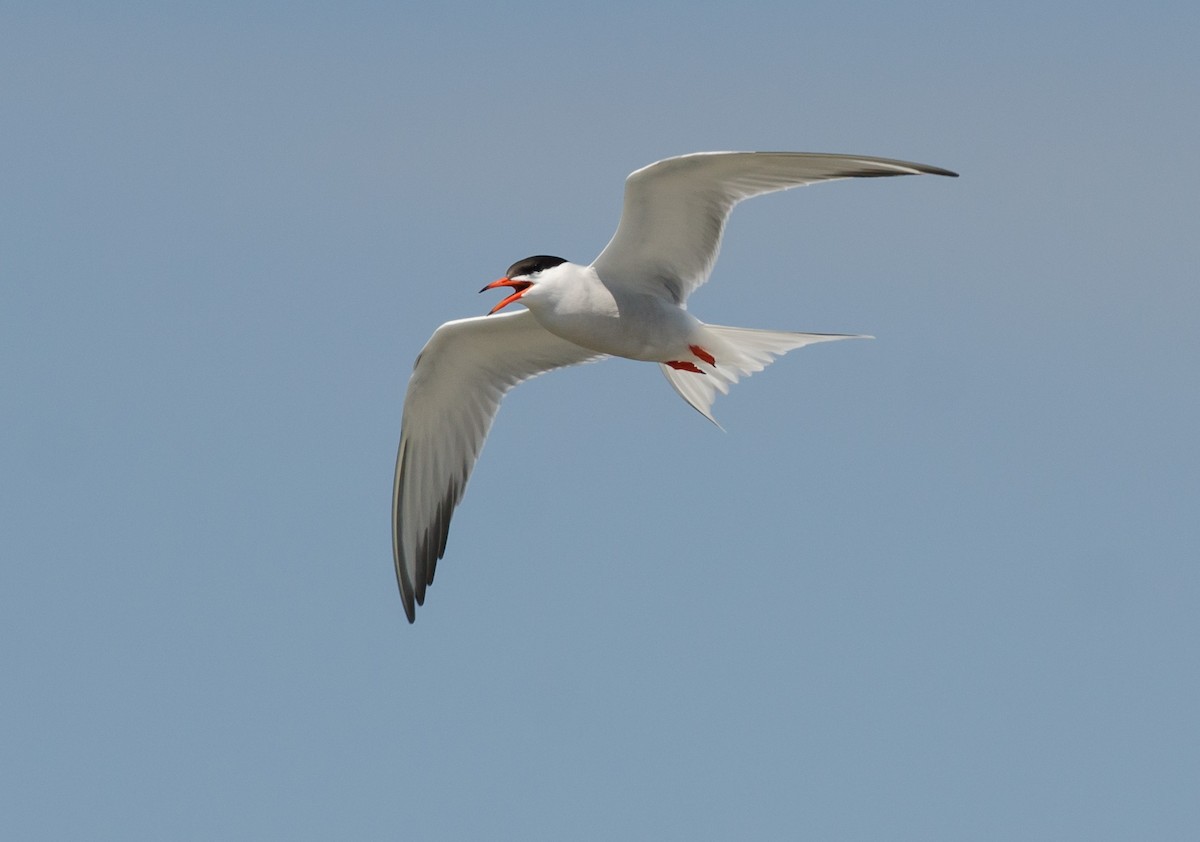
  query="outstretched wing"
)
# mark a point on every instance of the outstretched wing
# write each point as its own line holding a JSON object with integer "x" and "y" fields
{"x": 456, "y": 386}
{"x": 675, "y": 209}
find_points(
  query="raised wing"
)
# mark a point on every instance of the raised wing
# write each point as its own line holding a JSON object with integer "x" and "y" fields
{"x": 675, "y": 210}
{"x": 455, "y": 389}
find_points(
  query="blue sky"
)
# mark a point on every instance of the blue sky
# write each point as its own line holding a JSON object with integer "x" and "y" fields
{"x": 941, "y": 585}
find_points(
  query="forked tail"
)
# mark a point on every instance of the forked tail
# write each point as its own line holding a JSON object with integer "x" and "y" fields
{"x": 726, "y": 354}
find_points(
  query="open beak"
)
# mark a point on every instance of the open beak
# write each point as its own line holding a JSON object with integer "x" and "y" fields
{"x": 519, "y": 289}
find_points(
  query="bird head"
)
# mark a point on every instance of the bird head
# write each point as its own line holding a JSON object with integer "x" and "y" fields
{"x": 521, "y": 276}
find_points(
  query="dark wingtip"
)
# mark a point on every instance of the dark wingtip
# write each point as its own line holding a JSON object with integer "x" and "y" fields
{"x": 929, "y": 169}
{"x": 920, "y": 169}
{"x": 410, "y": 610}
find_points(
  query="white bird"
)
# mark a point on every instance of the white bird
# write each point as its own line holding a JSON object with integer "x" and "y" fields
{"x": 630, "y": 302}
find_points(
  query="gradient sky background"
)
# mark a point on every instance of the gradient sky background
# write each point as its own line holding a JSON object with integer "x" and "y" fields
{"x": 944, "y": 585}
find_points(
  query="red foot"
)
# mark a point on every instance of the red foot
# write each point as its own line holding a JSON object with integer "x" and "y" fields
{"x": 684, "y": 365}
{"x": 702, "y": 354}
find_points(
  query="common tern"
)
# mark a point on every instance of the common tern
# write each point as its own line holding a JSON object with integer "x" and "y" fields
{"x": 630, "y": 302}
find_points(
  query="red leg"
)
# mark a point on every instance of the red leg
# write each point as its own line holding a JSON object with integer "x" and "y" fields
{"x": 702, "y": 354}
{"x": 684, "y": 365}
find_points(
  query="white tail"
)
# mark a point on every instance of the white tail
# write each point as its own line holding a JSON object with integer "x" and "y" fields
{"x": 737, "y": 352}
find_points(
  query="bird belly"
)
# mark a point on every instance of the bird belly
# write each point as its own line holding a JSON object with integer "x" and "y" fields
{"x": 637, "y": 330}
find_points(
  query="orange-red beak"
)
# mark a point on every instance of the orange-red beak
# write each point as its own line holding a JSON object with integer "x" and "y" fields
{"x": 519, "y": 289}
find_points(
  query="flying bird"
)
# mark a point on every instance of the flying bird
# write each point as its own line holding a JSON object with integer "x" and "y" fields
{"x": 630, "y": 302}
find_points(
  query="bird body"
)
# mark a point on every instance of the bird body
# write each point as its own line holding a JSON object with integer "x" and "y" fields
{"x": 575, "y": 303}
{"x": 630, "y": 302}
